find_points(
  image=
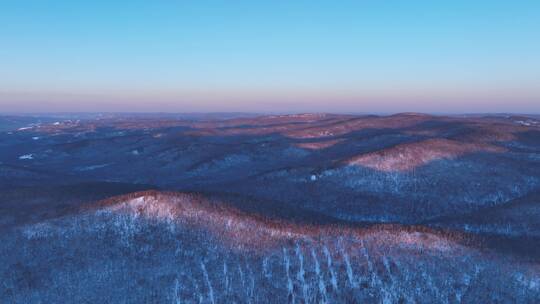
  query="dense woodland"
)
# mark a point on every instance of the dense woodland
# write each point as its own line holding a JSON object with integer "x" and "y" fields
{"x": 313, "y": 208}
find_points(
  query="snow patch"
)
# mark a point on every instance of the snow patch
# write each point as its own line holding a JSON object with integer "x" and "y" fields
{"x": 526, "y": 123}
{"x": 89, "y": 168}
{"x": 26, "y": 156}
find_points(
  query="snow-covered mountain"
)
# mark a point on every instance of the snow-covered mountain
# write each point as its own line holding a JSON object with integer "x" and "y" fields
{"x": 184, "y": 248}
{"x": 304, "y": 208}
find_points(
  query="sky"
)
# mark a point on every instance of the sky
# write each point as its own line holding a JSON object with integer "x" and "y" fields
{"x": 270, "y": 56}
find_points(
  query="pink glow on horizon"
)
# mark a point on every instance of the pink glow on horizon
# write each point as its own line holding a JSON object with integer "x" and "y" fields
{"x": 276, "y": 102}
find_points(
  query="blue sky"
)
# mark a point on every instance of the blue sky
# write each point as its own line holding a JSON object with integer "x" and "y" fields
{"x": 279, "y": 56}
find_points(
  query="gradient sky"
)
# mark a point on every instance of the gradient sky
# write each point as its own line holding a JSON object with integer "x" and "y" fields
{"x": 277, "y": 56}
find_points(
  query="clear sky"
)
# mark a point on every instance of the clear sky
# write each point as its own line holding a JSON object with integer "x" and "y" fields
{"x": 279, "y": 56}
